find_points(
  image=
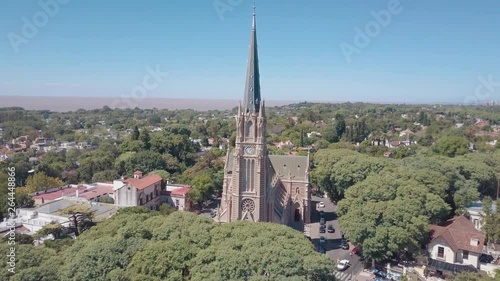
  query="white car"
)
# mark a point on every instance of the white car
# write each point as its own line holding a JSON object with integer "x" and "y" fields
{"x": 321, "y": 205}
{"x": 343, "y": 265}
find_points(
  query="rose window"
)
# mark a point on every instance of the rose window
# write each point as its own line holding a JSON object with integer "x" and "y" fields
{"x": 247, "y": 205}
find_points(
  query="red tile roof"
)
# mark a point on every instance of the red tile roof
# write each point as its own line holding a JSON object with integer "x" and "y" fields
{"x": 180, "y": 191}
{"x": 58, "y": 193}
{"x": 457, "y": 233}
{"x": 99, "y": 190}
{"x": 143, "y": 183}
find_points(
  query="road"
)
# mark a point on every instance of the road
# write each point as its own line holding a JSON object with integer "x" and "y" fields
{"x": 333, "y": 239}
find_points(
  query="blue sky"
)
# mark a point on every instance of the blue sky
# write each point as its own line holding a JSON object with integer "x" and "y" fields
{"x": 430, "y": 51}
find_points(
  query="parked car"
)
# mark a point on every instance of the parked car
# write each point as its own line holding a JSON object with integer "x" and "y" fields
{"x": 322, "y": 221}
{"x": 322, "y": 228}
{"x": 321, "y": 214}
{"x": 343, "y": 265}
{"x": 321, "y": 205}
{"x": 344, "y": 245}
{"x": 322, "y": 240}
{"x": 330, "y": 229}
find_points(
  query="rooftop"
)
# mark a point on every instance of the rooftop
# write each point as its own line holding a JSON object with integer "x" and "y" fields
{"x": 143, "y": 183}
{"x": 478, "y": 206}
{"x": 180, "y": 191}
{"x": 458, "y": 233}
{"x": 57, "y": 193}
{"x": 101, "y": 210}
{"x": 97, "y": 191}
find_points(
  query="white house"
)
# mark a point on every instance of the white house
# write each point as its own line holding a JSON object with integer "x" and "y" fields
{"x": 179, "y": 198}
{"x": 455, "y": 246}
{"x": 475, "y": 210}
{"x": 138, "y": 191}
{"x": 176, "y": 195}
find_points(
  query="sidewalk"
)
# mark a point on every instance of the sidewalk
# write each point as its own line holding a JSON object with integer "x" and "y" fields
{"x": 364, "y": 276}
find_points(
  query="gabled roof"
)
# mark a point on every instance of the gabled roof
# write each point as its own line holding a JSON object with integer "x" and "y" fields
{"x": 282, "y": 165}
{"x": 144, "y": 182}
{"x": 458, "y": 233}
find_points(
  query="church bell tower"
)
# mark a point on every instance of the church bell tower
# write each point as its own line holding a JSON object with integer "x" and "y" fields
{"x": 249, "y": 198}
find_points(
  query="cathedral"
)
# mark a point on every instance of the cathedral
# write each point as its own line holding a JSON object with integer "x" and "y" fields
{"x": 259, "y": 187}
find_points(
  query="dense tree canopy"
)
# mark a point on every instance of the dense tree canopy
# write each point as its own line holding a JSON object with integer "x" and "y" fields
{"x": 181, "y": 246}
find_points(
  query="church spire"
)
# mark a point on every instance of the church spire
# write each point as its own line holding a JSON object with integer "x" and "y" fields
{"x": 252, "y": 86}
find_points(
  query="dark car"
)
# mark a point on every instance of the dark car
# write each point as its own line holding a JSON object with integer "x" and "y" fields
{"x": 330, "y": 229}
{"x": 322, "y": 221}
{"x": 344, "y": 245}
{"x": 322, "y": 228}
{"x": 321, "y": 214}
{"x": 322, "y": 240}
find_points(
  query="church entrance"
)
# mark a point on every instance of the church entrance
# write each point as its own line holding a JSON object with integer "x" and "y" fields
{"x": 297, "y": 214}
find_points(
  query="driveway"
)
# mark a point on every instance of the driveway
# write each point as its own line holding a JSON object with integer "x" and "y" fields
{"x": 333, "y": 239}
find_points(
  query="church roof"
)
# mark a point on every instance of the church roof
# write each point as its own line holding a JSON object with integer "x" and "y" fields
{"x": 283, "y": 165}
{"x": 252, "y": 85}
{"x": 290, "y": 165}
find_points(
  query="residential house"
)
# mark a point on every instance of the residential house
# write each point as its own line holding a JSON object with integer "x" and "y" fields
{"x": 406, "y": 133}
{"x": 313, "y": 134}
{"x": 180, "y": 199}
{"x": 53, "y": 194}
{"x": 138, "y": 191}
{"x": 455, "y": 246}
{"x": 474, "y": 212}
{"x": 282, "y": 144}
{"x": 394, "y": 144}
{"x": 176, "y": 195}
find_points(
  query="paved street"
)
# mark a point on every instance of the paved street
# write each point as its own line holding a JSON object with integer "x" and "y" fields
{"x": 333, "y": 239}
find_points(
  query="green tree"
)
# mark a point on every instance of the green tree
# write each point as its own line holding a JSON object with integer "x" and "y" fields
{"x": 40, "y": 182}
{"x": 145, "y": 161}
{"x": 180, "y": 246}
{"x": 451, "y": 146}
{"x": 135, "y": 133}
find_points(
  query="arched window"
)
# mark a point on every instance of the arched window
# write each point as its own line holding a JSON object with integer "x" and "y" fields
{"x": 249, "y": 129}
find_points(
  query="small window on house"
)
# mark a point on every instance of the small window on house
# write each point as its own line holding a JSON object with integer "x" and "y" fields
{"x": 465, "y": 255}
{"x": 177, "y": 202}
{"x": 440, "y": 252}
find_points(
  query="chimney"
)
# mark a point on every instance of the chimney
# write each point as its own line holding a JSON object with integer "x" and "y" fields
{"x": 137, "y": 175}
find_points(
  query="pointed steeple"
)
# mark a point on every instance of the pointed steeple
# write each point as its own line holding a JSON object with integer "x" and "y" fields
{"x": 252, "y": 86}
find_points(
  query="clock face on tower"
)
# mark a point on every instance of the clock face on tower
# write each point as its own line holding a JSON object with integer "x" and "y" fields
{"x": 249, "y": 150}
